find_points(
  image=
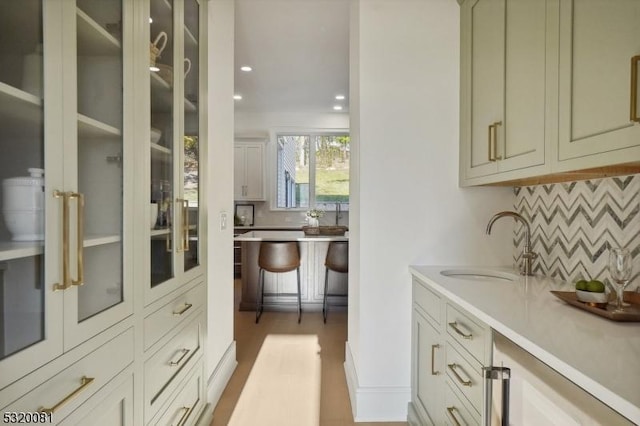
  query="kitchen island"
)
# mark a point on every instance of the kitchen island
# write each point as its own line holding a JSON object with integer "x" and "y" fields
{"x": 598, "y": 355}
{"x": 313, "y": 250}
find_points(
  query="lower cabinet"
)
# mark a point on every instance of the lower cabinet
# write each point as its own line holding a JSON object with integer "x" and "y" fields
{"x": 185, "y": 407}
{"x": 449, "y": 349}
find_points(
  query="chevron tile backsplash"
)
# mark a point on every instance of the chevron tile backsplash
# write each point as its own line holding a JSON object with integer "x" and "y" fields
{"x": 573, "y": 225}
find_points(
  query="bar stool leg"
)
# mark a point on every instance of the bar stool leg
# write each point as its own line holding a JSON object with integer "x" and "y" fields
{"x": 259, "y": 294}
{"x": 299, "y": 296}
{"x": 326, "y": 290}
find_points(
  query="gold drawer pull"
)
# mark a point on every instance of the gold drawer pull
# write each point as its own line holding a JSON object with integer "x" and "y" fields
{"x": 462, "y": 381}
{"x": 181, "y": 312}
{"x": 634, "y": 88}
{"x": 451, "y": 410}
{"x": 84, "y": 382}
{"x": 185, "y": 352}
{"x": 461, "y": 333}
{"x": 185, "y": 416}
{"x": 433, "y": 357}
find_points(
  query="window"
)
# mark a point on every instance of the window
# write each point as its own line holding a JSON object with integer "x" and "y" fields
{"x": 312, "y": 170}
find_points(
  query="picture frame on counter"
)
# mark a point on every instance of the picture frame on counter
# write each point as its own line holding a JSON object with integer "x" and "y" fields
{"x": 244, "y": 214}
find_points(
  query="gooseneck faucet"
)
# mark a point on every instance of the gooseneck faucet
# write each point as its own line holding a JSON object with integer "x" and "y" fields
{"x": 527, "y": 255}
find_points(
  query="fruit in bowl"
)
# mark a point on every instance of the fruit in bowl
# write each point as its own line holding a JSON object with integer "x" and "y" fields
{"x": 592, "y": 291}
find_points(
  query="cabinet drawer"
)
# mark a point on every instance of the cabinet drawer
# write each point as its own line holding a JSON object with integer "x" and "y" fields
{"x": 469, "y": 333}
{"x": 466, "y": 375}
{"x": 164, "y": 365}
{"x": 184, "y": 409}
{"x": 162, "y": 321}
{"x": 455, "y": 411}
{"x": 427, "y": 300}
{"x": 65, "y": 391}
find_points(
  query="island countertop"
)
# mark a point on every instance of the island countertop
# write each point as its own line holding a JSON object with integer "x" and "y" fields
{"x": 599, "y": 355}
{"x": 288, "y": 236}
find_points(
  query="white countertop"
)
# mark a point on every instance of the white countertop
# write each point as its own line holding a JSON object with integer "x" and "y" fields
{"x": 287, "y": 236}
{"x": 597, "y": 354}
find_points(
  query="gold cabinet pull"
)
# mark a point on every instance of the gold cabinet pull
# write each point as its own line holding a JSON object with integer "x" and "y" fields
{"x": 433, "y": 357}
{"x": 185, "y": 416}
{"x": 634, "y": 89}
{"x": 459, "y": 332}
{"x": 79, "y": 236}
{"x": 185, "y": 214}
{"x": 453, "y": 367}
{"x": 84, "y": 382}
{"x": 493, "y": 141}
{"x": 451, "y": 410}
{"x": 185, "y": 352}
{"x": 181, "y": 312}
{"x": 66, "y": 279}
{"x": 180, "y": 204}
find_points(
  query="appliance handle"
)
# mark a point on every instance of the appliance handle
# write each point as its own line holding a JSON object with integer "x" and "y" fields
{"x": 496, "y": 373}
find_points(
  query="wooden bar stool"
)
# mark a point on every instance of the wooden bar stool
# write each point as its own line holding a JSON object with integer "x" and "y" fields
{"x": 277, "y": 257}
{"x": 337, "y": 260}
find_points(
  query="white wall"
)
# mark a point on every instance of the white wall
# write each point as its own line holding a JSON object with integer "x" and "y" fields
{"x": 221, "y": 359}
{"x": 408, "y": 208}
{"x": 253, "y": 124}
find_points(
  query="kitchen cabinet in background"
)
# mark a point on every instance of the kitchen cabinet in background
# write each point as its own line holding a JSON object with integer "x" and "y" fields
{"x": 248, "y": 171}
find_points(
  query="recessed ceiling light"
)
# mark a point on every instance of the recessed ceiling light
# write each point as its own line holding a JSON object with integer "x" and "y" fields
{"x": 237, "y": 97}
{"x": 246, "y": 68}
{"x": 339, "y": 97}
{"x": 337, "y": 107}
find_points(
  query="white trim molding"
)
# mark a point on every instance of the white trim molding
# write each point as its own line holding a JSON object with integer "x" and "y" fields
{"x": 375, "y": 404}
{"x": 221, "y": 375}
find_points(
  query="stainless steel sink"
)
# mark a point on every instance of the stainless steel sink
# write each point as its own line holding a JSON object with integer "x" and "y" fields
{"x": 473, "y": 274}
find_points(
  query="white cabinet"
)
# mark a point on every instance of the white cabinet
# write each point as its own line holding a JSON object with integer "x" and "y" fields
{"x": 598, "y": 40}
{"x": 504, "y": 83}
{"x": 63, "y": 273}
{"x": 248, "y": 171}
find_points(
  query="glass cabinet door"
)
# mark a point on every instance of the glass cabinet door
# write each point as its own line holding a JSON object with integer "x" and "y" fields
{"x": 95, "y": 202}
{"x": 162, "y": 76}
{"x": 191, "y": 146}
{"x": 29, "y": 264}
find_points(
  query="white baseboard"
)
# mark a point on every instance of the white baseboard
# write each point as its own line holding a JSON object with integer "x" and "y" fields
{"x": 375, "y": 404}
{"x": 221, "y": 375}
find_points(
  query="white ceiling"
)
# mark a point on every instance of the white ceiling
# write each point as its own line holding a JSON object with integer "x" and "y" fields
{"x": 299, "y": 52}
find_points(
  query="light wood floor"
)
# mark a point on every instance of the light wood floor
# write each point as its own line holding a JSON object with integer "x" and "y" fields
{"x": 335, "y": 407}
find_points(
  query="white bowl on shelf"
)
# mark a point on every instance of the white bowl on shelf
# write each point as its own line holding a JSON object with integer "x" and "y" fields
{"x": 25, "y": 225}
{"x": 155, "y": 135}
{"x": 591, "y": 297}
{"x": 153, "y": 218}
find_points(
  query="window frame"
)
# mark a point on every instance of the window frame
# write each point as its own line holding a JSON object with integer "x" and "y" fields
{"x": 272, "y": 166}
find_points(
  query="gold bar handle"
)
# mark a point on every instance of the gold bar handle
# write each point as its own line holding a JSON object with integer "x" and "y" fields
{"x": 66, "y": 279}
{"x": 634, "y": 89}
{"x": 180, "y": 247}
{"x": 459, "y": 332}
{"x": 185, "y": 416}
{"x": 80, "y": 237}
{"x": 186, "y": 224}
{"x": 462, "y": 381}
{"x": 433, "y": 357}
{"x": 451, "y": 410}
{"x": 84, "y": 382}
{"x": 185, "y": 352}
{"x": 181, "y": 312}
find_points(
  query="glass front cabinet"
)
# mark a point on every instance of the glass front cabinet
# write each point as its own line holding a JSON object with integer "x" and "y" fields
{"x": 175, "y": 117}
{"x": 100, "y": 196}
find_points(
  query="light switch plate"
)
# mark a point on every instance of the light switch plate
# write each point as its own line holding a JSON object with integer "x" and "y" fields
{"x": 223, "y": 221}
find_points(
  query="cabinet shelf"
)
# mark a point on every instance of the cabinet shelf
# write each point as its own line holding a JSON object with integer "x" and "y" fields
{"x": 162, "y": 96}
{"x": 93, "y": 39}
{"x": 18, "y": 107}
{"x": 159, "y": 232}
{"x": 100, "y": 240}
{"x": 190, "y": 39}
{"x": 10, "y": 250}
{"x": 89, "y": 128}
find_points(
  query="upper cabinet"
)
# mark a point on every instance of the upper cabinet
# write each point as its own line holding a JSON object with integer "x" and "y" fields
{"x": 248, "y": 171}
{"x": 545, "y": 90}
{"x": 599, "y": 40}
{"x": 64, "y": 274}
{"x": 504, "y": 80}
{"x": 176, "y": 125}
